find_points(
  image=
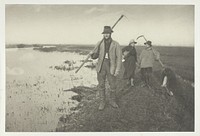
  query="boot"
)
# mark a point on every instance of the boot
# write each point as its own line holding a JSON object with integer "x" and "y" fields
{"x": 112, "y": 100}
{"x": 102, "y": 103}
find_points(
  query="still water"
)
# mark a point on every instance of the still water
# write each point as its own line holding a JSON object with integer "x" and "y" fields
{"x": 35, "y": 96}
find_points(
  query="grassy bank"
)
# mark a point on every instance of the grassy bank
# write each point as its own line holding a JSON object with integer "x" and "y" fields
{"x": 140, "y": 110}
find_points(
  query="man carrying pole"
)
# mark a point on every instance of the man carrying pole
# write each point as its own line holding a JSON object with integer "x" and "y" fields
{"x": 108, "y": 66}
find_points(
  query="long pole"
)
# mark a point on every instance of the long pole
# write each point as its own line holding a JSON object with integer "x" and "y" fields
{"x": 88, "y": 56}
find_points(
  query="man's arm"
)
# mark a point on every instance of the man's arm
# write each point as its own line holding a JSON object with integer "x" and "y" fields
{"x": 156, "y": 55}
{"x": 135, "y": 54}
{"x": 95, "y": 53}
{"x": 119, "y": 59}
{"x": 140, "y": 59}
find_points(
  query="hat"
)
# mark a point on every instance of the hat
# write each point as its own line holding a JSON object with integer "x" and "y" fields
{"x": 107, "y": 29}
{"x": 132, "y": 41}
{"x": 148, "y": 42}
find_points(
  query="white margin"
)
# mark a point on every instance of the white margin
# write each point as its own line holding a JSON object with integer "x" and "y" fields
{"x": 141, "y": 2}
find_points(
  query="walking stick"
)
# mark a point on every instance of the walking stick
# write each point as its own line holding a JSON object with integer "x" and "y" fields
{"x": 89, "y": 55}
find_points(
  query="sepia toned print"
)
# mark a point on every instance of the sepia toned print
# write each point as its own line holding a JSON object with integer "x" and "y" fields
{"x": 99, "y": 68}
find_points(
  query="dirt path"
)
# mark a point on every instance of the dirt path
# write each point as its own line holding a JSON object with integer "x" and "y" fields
{"x": 140, "y": 109}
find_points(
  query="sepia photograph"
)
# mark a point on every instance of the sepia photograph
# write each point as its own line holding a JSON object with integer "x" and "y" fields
{"x": 99, "y": 68}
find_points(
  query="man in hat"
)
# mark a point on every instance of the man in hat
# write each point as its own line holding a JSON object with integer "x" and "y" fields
{"x": 132, "y": 44}
{"x": 130, "y": 58}
{"x": 108, "y": 66}
{"x": 146, "y": 60}
{"x": 129, "y": 64}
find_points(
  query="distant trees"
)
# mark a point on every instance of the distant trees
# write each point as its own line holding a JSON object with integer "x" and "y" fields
{"x": 20, "y": 45}
{"x": 28, "y": 45}
{"x": 37, "y": 45}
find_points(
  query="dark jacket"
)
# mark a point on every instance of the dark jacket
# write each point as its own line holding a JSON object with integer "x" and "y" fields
{"x": 171, "y": 78}
{"x": 129, "y": 66}
{"x": 134, "y": 53}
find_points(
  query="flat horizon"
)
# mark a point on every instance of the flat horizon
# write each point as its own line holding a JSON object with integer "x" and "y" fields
{"x": 70, "y": 44}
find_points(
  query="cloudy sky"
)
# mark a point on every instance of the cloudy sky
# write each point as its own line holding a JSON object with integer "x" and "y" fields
{"x": 83, "y": 24}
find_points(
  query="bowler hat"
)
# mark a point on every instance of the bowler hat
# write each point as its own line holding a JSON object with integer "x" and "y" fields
{"x": 148, "y": 42}
{"x": 107, "y": 30}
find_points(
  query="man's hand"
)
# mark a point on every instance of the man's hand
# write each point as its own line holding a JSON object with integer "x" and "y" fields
{"x": 94, "y": 55}
{"x": 91, "y": 53}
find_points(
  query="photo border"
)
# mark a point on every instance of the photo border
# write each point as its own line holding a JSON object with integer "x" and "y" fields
{"x": 138, "y": 2}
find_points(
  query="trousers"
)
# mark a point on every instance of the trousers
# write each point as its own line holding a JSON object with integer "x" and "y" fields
{"x": 105, "y": 73}
{"x": 146, "y": 74}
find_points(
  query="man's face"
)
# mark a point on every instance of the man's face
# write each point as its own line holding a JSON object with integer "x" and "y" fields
{"x": 106, "y": 36}
{"x": 133, "y": 44}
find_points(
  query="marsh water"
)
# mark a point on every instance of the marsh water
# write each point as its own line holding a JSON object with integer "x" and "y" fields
{"x": 35, "y": 90}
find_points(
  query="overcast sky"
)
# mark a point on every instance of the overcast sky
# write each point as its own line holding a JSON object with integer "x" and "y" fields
{"x": 83, "y": 24}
